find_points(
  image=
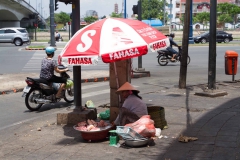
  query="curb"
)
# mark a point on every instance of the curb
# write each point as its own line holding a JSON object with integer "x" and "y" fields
{"x": 100, "y": 79}
{"x": 34, "y": 49}
{"x": 27, "y": 48}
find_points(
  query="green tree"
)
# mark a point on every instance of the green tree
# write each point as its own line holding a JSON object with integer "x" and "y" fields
{"x": 203, "y": 18}
{"x": 90, "y": 19}
{"x": 115, "y": 15}
{"x": 103, "y": 17}
{"x": 182, "y": 19}
{"x": 61, "y": 18}
{"x": 227, "y": 13}
{"x": 153, "y": 9}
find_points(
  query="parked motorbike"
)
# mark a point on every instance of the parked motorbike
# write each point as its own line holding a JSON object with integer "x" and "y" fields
{"x": 39, "y": 92}
{"x": 164, "y": 57}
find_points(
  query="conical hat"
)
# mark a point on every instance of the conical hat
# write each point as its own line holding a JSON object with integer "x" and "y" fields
{"x": 127, "y": 86}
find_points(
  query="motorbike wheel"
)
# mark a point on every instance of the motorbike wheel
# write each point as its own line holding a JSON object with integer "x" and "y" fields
{"x": 69, "y": 95}
{"x": 30, "y": 97}
{"x": 188, "y": 59}
{"x": 162, "y": 60}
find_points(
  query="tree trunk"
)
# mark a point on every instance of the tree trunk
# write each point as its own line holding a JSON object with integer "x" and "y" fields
{"x": 183, "y": 67}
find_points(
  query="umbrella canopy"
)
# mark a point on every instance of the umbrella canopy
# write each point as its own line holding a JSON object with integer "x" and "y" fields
{"x": 113, "y": 39}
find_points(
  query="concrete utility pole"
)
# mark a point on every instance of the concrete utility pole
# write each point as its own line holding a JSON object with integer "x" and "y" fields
{"x": 190, "y": 41}
{"x": 183, "y": 67}
{"x": 52, "y": 27}
{"x": 212, "y": 46}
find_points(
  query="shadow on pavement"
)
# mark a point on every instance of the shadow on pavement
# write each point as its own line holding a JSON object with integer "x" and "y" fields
{"x": 217, "y": 132}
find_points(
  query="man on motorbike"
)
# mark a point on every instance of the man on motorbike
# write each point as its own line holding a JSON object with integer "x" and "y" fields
{"x": 48, "y": 67}
{"x": 172, "y": 43}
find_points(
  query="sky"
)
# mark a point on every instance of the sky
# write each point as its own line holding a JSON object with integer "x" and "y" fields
{"x": 102, "y": 7}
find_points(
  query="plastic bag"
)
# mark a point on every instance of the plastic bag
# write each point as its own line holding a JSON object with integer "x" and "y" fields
{"x": 105, "y": 115}
{"x": 90, "y": 104}
{"x": 69, "y": 83}
{"x": 144, "y": 126}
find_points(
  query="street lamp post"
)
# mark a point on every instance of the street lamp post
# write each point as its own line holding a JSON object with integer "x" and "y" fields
{"x": 125, "y": 9}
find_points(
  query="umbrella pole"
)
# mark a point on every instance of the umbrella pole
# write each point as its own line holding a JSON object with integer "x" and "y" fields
{"x": 116, "y": 75}
{"x": 119, "y": 98}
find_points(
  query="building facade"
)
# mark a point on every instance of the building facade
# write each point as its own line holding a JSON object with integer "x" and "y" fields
{"x": 178, "y": 8}
{"x": 199, "y": 6}
{"x": 116, "y": 8}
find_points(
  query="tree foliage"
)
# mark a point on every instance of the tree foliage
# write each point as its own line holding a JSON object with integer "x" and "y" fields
{"x": 61, "y": 18}
{"x": 153, "y": 9}
{"x": 115, "y": 15}
{"x": 103, "y": 17}
{"x": 227, "y": 12}
{"x": 90, "y": 19}
{"x": 203, "y": 18}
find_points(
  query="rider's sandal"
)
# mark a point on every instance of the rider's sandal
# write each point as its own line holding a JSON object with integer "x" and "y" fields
{"x": 173, "y": 60}
{"x": 59, "y": 96}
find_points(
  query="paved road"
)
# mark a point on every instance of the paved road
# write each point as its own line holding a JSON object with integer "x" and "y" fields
{"x": 16, "y": 60}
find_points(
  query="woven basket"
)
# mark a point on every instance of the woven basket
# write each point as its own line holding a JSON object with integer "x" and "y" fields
{"x": 157, "y": 114}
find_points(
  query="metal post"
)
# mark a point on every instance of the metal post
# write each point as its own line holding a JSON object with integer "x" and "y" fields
{"x": 190, "y": 40}
{"x": 212, "y": 46}
{"x": 41, "y": 8}
{"x": 69, "y": 26}
{"x": 140, "y": 19}
{"x": 35, "y": 25}
{"x": 233, "y": 66}
{"x": 35, "y": 32}
{"x": 76, "y": 69}
{"x": 51, "y": 6}
{"x": 125, "y": 9}
{"x": 164, "y": 12}
{"x": 171, "y": 16}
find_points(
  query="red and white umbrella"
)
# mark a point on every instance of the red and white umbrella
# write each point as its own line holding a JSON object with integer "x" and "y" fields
{"x": 113, "y": 39}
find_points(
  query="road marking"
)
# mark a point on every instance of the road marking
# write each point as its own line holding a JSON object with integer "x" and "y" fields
{"x": 100, "y": 84}
{"x": 35, "y": 63}
{"x": 90, "y": 94}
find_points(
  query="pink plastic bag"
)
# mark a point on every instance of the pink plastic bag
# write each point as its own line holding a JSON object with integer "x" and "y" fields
{"x": 144, "y": 126}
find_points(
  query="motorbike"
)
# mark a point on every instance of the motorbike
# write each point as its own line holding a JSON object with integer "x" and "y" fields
{"x": 39, "y": 92}
{"x": 164, "y": 57}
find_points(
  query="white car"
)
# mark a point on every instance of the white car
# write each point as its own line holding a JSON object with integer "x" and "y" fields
{"x": 16, "y": 35}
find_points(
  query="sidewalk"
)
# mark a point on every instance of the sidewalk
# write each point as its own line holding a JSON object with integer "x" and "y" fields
{"x": 214, "y": 121}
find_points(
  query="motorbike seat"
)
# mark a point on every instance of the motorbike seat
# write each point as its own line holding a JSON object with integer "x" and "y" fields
{"x": 39, "y": 80}
{"x": 164, "y": 50}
